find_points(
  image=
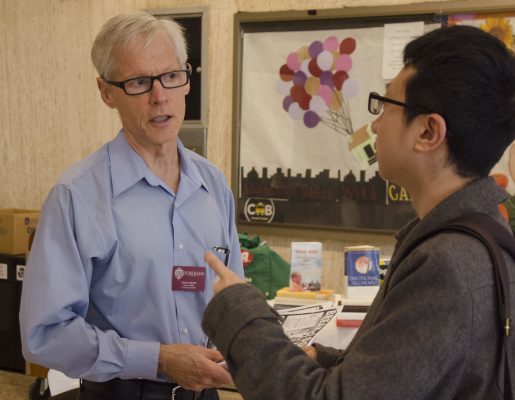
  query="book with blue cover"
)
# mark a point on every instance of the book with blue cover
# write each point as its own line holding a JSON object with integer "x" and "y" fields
{"x": 362, "y": 271}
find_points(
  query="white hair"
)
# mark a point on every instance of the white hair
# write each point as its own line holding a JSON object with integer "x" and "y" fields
{"x": 119, "y": 31}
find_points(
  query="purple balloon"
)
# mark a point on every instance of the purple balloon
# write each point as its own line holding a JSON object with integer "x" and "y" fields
{"x": 311, "y": 119}
{"x": 326, "y": 78}
{"x": 315, "y": 48}
{"x": 299, "y": 78}
{"x": 287, "y": 103}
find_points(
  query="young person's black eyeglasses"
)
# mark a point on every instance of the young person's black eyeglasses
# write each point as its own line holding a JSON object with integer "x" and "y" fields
{"x": 376, "y": 102}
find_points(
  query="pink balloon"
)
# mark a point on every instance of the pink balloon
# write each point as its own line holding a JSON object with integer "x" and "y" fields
{"x": 325, "y": 93}
{"x": 292, "y": 61}
{"x": 331, "y": 43}
{"x": 343, "y": 63}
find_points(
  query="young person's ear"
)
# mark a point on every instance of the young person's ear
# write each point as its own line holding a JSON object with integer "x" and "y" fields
{"x": 106, "y": 92}
{"x": 432, "y": 133}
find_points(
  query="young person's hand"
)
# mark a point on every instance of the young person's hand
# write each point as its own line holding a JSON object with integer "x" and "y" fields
{"x": 225, "y": 276}
{"x": 311, "y": 352}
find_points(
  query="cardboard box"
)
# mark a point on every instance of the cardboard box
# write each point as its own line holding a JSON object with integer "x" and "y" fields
{"x": 16, "y": 226}
{"x": 35, "y": 370}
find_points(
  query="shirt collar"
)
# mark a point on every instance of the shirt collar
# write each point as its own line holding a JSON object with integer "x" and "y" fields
{"x": 189, "y": 166}
{"x": 128, "y": 168}
{"x": 125, "y": 163}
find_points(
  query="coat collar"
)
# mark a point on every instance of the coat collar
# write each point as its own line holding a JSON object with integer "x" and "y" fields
{"x": 481, "y": 195}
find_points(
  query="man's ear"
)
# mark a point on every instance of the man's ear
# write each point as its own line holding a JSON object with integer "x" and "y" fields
{"x": 188, "y": 86}
{"x": 433, "y": 131}
{"x": 106, "y": 92}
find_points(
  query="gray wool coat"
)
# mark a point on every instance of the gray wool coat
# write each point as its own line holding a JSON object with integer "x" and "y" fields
{"x": 434, "y": 333}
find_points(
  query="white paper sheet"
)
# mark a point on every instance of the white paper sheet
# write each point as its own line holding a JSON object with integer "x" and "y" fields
{"x": 60, "y": 383}
{"x": 395, "y": 38}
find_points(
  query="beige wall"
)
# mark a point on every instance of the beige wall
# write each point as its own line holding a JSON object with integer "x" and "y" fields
{"x": 51, "y": 114}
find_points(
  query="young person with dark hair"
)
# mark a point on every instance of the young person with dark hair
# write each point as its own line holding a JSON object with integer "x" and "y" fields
{"x": 464, "y": 78}
{"x": 433, "y": 330}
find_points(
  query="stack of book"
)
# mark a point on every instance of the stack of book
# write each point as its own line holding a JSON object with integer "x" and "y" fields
{"x": 288, "y": 297}
{"x": 349, "y": 319}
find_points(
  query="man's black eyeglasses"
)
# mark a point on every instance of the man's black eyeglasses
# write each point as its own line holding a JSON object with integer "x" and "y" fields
{"x": 143, "y": 84}
{"x": 376, "y": 102}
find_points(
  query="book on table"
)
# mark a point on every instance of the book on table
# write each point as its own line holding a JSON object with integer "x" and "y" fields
{"x": 306, "y": 266}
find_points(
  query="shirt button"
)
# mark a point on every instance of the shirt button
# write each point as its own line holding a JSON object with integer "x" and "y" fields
{"x": 185, "y": 331}
{"x": 181, "y": 246}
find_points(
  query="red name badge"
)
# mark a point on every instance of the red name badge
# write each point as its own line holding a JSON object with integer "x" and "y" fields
{"x": 189, "y": 279}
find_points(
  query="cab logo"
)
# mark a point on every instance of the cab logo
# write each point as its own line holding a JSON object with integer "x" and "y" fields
{"x": 259, "y": 210}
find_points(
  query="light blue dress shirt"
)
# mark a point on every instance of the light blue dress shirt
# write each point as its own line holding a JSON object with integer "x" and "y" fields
{"x": 97, "y": 299}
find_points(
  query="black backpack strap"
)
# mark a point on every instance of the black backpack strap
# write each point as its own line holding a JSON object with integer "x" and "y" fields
{"x": 493, "y": 235}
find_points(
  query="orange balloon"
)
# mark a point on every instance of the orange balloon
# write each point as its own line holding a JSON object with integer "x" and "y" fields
{"x": 336, "y": 54}
{"x": 303, "y": 53}
{"x": 311, "y": 85}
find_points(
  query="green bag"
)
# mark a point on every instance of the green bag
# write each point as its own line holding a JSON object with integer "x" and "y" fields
{"x": 263, "y": 267}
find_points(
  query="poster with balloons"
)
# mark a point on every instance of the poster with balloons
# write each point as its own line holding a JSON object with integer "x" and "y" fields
{"x": 307, "y": 154}
{"x": 306, "y": 151}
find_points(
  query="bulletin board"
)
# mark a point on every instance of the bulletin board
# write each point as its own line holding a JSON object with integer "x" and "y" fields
{"x": 304, "y": 153}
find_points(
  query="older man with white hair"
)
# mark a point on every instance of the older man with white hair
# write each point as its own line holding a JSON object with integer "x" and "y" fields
{"x": 116, "y": 282}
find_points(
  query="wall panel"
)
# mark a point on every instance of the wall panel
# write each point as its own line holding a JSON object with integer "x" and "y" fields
{"x": 51, "y": 114}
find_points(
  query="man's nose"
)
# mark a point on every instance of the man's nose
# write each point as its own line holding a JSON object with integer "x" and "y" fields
{"x": 158, "y": 92}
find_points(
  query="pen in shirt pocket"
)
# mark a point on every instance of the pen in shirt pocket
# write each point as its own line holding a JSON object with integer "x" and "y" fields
{"x": 223, "y": 250}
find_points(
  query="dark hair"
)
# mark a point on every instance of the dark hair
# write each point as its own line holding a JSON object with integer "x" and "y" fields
{"x": 468, "y": 77}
